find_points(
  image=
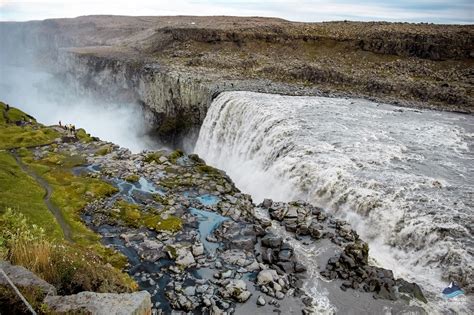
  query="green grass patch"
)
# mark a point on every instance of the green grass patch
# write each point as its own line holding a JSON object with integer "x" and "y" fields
{"x": 83, "y": 136}
{"x": 71, "y": 194}
{"x": 24, "y": 195}
{"x": 134, "y": 216}
{"x": 12, "y": 136}
{"x": 71, "y": 268}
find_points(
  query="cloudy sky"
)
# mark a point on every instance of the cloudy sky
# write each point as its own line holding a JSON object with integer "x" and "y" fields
{"x": 436, "y": 11}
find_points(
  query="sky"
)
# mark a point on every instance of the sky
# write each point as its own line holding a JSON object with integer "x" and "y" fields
{"x": 434, "y": 11}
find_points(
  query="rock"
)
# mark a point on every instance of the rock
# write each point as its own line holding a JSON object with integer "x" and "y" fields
{"x": 185, "y": 258}
{"x": 243, "y": 296}
{"x": 206, "y": 301}
{"x": 292, "y": 212}
{"x": 279, "y": 295}
{"x": 236, "y": 289}
{"x": 198, "y": 249}
{"x": 261, "y": 300}
{"x": 226, "y": 274}
{"x": 272, "y": 241}
{"x": 411, "y": 288}
{"x": 190, "y": 291}
{"x": 285, "y": 255}
{"x": 267, "y": 203}
{"x": 266, "y": 276}
{"x": 22, "y": 277}
{"x": 101, "y": 303}
{"x": 299, "y": 267}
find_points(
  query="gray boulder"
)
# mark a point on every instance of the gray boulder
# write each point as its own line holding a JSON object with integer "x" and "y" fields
{"x": 138, "y": 303}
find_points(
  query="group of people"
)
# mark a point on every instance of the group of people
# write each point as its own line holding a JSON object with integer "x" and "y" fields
{"x": 68, "y": 127}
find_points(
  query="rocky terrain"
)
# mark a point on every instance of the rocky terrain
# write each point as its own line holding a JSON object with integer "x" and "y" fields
{"x": 190, "y": 238}
{"x": 164, "y": 222}
{"x": 176, "y": 65}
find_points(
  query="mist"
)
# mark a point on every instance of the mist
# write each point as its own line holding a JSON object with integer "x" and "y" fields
{"x": 49, "y": 100}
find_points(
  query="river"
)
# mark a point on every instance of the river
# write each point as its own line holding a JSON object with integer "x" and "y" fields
{"x": 404, "y": 178}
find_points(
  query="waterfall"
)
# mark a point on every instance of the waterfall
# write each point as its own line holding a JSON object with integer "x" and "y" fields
{"x": 399, "y": 176}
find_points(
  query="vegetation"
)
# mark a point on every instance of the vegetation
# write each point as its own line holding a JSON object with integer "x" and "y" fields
{"x": 209, "y": 170}
{"x": 175, "y": 155}
{"x": 71, "y": 193}
{"x": 30, "y": 235}
{"x": 69, "y": 267}
{"x": 104, "y": 150}
{"x": 132, "y": 178}
{"x": 20, "y": 191}
{"x": 83, "y": 136}
{"x": 31, "y": 134}
{"x": 134, "y": 216}
{"x": 154, "y": 156}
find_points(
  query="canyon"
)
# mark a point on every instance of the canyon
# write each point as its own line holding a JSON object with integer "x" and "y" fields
{"x": 368, "y": 125}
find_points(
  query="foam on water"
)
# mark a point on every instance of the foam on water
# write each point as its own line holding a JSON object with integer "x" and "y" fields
{"x": 403, "y": 178}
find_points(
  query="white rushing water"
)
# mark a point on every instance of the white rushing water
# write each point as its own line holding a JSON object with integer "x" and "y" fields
{"x": 403, "y": 178}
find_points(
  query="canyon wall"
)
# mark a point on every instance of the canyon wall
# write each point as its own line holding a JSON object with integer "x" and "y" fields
{"x": 175, "y": 66}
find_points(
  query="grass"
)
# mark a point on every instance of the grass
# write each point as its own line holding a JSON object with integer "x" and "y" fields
{"x": 21, "y": 192}
{"x": 32, "y": 134}
{"x": 71, "y": 193}
{"x": 12, "y": 136}
{"x": 69, "y": 267}
{"x": 134, "y": 216}
{"x": 30, "y": 235}
{"x": 83, "y": 136}
{"x": 206, "y": 169}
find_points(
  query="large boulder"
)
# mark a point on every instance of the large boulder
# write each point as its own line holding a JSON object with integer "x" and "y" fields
{"x": 23, "y": 278}
{"x": 138, "y": 303}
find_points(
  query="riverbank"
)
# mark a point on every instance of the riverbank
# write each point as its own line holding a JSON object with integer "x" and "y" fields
{"x": 190, "y": 238}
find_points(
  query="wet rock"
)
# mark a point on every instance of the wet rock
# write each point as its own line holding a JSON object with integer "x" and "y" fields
{"x": 272, "y": 241}
{"x": 279, "y": 295}
{"x": 412, "y": 289}
{"x": 285, "y": 255}
{"x": 299, "y": 267}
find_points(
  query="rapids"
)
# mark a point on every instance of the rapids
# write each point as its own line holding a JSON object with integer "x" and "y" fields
{"x": 404, "y": 178}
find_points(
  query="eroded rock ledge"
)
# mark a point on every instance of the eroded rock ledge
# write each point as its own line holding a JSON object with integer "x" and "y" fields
{"x": 176, "y": 65}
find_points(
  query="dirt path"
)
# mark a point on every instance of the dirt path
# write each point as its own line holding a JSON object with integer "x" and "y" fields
{"x": 47, "y": 198}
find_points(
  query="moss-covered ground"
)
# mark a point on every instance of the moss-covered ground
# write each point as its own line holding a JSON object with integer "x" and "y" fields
{"x": 71, "y": 267}
{"x": 135, "y": 216}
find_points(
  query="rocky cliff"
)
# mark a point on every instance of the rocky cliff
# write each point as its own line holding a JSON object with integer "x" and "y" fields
{"x": 176, "y": 65}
